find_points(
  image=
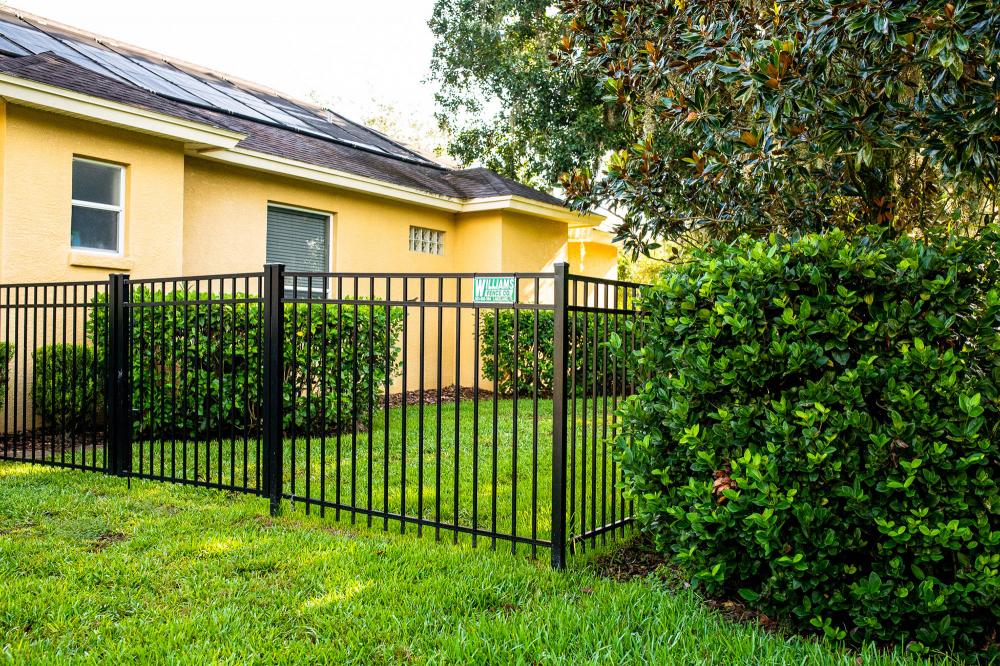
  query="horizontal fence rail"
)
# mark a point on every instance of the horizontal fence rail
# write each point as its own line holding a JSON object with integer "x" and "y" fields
{"x": 423, "y": 402}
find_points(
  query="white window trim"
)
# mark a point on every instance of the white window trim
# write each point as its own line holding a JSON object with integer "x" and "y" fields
{"x": 120, "y": 209}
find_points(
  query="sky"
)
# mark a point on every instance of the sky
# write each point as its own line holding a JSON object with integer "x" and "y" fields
{"x": 350, "y": 54}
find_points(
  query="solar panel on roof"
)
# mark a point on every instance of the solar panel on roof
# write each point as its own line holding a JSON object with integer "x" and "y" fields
{"x": 134, "y": 73}
{"x": 8, "y": 46}
{"x": 348, "y": 132}
{"x": 261, "y": 106}
{"x": 201, "y": 90}
{"x": 330, "y": 130}
{"x": 20, "y": 38}
{"x": 37, "y": 42}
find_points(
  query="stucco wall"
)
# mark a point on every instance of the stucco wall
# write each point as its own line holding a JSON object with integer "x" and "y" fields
{"x": 594, "y": 259}
{"x": 532, "y": 244}
{"x": 35, "y": 204}
{"x": 37, "y": 191}
{"x": 225, "y": 223}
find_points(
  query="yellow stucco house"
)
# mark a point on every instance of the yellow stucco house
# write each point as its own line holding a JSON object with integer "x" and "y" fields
{"x": 116, "y": 159}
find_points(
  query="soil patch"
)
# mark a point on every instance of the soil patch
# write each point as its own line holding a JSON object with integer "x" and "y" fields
{"x": 430, "y": 396}
{"x": 107, "y": 539}
{"x": 637, "y": 559}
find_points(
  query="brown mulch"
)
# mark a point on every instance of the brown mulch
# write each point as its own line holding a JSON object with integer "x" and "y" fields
{"x": 737, "y": 611}
{"x": 430, "y": 396}
{"x": 639, "y": 559}
{"x": 26, "y": 445}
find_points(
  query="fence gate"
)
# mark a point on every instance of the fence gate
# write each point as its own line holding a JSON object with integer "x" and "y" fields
{"x": 474, "y": 408}
{"x": 192, "y": 357}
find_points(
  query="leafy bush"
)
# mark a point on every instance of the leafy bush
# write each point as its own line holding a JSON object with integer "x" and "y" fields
{"x": 68, "y": 386}
{"x": 820, "y": 433}
{"x": 197, "y": 368}
{"x": 595, "y": 371}
{"x": 339, "y": 362}
{"x": 497, "y": 329}
{"x": 6, "y": 354}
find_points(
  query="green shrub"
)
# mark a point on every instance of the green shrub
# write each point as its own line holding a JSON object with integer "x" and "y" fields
{"x": 339, "y": 364}
{"x": 67, "y": 388}
{"x": 497, "y": 329}
{"x": 820, "y": 433}
{"x": 196, "y": 369}
{"x": 595, "y": 373}
{"x": 6, "y": 354}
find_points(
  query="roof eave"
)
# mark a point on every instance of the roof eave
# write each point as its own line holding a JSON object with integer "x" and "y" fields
{"x": 348, "y": 181}
{"x": 258, "y": 161}
{"x": 519, "y": 204}
{"x": 58, "y": 100}
{"x": 221, "y": 145}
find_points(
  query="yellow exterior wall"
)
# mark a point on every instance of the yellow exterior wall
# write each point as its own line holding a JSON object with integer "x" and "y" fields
{"x": 225, "y": 223}
{"x": 478, "y": 243}
{"x": 532, "y": 244}
{"x": 187, "y": 215}
{"x": 594, "y": 259}
{"x": 38, "y": 156}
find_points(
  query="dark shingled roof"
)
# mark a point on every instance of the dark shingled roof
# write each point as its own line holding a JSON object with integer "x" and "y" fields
{"x": 322, "y": 138}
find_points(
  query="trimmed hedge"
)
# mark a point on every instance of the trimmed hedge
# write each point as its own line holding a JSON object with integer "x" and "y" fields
{"x": 196, "y": 368}
{"x": 218, "y": 366}
{"x": 499, "y": 367}
{"x": 67, "y": 389}
{"x": 820, "y": 433}
{"x": 498, "y": 329}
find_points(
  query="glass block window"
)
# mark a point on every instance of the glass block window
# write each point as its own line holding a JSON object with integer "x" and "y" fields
{"x": 428, "y": 241}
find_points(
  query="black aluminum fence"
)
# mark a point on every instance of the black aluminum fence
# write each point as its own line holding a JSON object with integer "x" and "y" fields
{"x": 474, "y": 407}
{"x": 54, "y": 373}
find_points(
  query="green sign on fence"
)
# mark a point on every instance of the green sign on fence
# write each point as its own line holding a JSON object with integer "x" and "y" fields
{"x": 494, "y": 290}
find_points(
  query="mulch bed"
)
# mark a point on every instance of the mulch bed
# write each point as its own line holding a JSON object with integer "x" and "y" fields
{"x": 430, "y": 396}
{"x": 639, "y": 559}
{"x": 24, "y": 445}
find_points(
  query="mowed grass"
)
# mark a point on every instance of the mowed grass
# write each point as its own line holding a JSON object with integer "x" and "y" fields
{"x": 92, "y": 571}
{"x": 449, "y": 468}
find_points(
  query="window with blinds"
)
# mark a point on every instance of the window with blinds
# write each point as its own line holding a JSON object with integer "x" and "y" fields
{"x": 300, "y": 240}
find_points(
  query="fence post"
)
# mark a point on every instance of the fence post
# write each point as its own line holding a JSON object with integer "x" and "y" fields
{"x": 119, "y": 419}
{"x": 274, "y": 333}
{"x": 560, "y": 348}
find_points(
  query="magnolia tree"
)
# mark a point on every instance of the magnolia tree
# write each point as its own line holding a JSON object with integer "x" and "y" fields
{"x": 753, "y": 116}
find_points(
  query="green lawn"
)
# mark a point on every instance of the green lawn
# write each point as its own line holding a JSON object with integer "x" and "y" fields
{"x": 429, "y": 488}
{"x": 92, "y": 571}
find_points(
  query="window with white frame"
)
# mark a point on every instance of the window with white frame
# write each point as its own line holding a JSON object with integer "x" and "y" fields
{"x": 98, "y": 206}
{"x": 429, "y": 241}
